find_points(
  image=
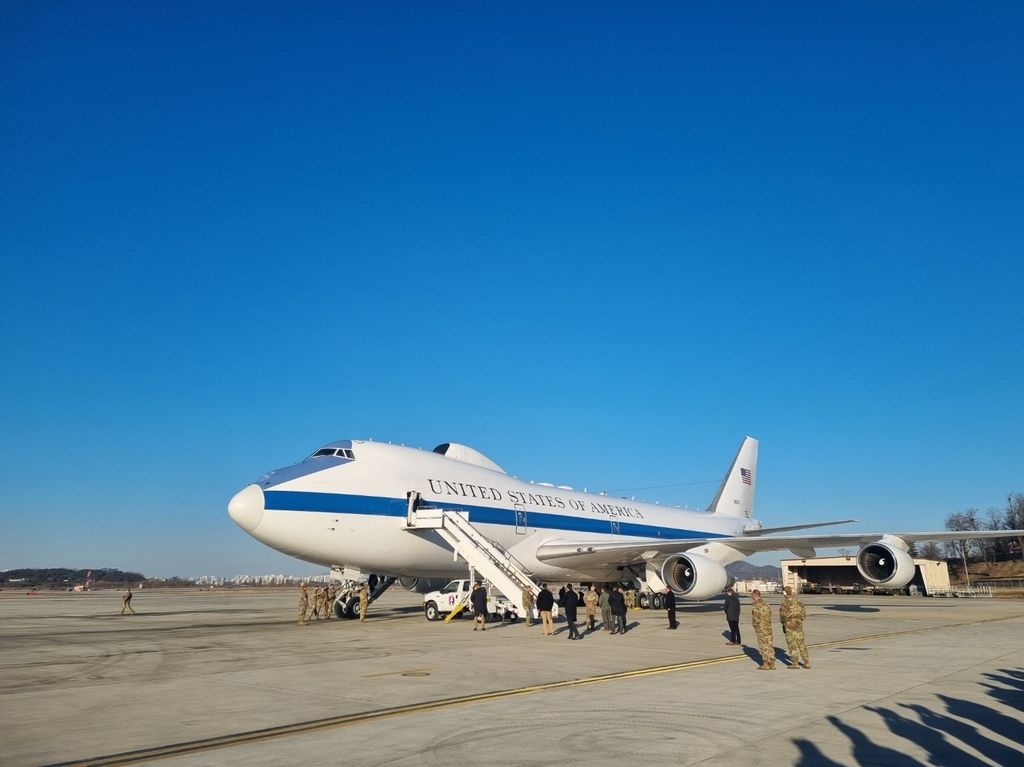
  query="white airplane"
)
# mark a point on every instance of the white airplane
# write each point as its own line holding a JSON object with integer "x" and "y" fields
{"x": 348, "y": 505}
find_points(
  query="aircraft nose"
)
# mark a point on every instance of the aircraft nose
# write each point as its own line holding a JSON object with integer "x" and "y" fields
{"x": 246, "y": 508}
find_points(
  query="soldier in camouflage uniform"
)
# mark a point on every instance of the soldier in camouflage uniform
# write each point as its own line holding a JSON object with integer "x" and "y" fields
{"x": 303, "y": 604}
{"x": 630, "y": 596}
{"x": 528, "y": 605}
{"x": 315, "y": 604}
{"x": 364, "y": 601}
{"x": 762, "y": 620}
{"x": 331, "y": 594}
{"x": 792, "y": 614}
{"x": 590, "y": 599}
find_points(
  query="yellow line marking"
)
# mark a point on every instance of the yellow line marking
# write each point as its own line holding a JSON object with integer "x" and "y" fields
{"x": 317, "y": 725}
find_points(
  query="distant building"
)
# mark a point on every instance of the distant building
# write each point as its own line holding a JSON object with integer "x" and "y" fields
{"x": 765, "y": 587}
{"x": 835, "y": 575}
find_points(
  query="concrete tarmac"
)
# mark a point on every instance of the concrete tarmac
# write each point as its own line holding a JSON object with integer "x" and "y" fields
{"x": 228, "y": 678}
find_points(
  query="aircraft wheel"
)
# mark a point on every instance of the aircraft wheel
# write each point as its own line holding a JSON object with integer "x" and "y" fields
{"x": 431, "y": 611}
{"x": 655, "y": 601}
{"x": 339, "y": 610}
{"x": 352, "y": 608}
{"x": 645, "y": 602}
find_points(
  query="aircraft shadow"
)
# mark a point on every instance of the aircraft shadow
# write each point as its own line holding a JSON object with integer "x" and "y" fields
{"x": 853, "y": 609}
{"x": 968, "y": 722}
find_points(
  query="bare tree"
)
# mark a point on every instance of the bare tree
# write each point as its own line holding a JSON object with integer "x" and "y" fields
{"x": 1014, "y": 516}
{"x": 966, "y": 520}
{"x": 930, "y": 550}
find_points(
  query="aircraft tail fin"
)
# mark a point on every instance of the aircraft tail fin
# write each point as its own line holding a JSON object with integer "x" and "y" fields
{"x": 735, "y": 497}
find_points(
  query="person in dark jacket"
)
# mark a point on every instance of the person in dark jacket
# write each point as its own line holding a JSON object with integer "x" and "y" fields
{"x": 546, "y": 601}
{"x": 617, "y": 600}
{"x": 570, "y": 601}
{"x": 669, "y": 600}
{"x": 478, "y": 599}
{"x": 732, "y": 615}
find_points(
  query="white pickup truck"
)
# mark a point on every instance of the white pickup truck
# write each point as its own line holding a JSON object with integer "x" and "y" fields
{"x": 437, "y": 604}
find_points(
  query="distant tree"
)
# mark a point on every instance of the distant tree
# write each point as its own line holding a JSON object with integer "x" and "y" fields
{"x": 962, "y": 548}
{"x": 1013, "y": 517}
{"x": 912, "y": 550}
{"x": 931, "y": 550}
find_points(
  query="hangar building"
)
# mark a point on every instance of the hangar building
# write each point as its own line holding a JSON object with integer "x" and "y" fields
{"x": 833, "y": 575}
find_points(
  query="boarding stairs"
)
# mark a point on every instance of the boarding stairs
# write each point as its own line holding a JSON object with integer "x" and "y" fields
{"x": 483, "y": 555}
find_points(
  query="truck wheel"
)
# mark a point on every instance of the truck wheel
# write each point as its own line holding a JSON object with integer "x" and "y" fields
{"x": 352, "y": 608}
{"x": 645, "y": 602}
{"x": 431, "y": 611}
{"x": 655, "y": 601}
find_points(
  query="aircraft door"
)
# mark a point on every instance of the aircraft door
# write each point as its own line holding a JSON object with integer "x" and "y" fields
{"x": 520, "y": 519}
{"x": 615, "y": 528}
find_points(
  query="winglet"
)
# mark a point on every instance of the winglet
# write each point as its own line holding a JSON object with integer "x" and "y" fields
{"x": 735, "y": 498}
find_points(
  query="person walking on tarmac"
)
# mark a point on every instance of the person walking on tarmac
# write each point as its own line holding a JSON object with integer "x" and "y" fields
{"x": 590, "y": 599}
{"x": 606, "y": 608}
{"x": 732, "y": 615}
{"x": 792, "y": 614}
{"x": 762, "y": 620}
{"x": 570, "y": 601}
{"x": 618, "y": 604}
{"x": 364, "y": 602}
{"x": 545, "y": 602}
{"x": 478, "y": 599}
{"x": 528, "y": 605}
{"x": 126, "y": 600}
{"x": 669, "y": 601}
{"x": 331, "y": 594}
{"x": 303, "y": 604}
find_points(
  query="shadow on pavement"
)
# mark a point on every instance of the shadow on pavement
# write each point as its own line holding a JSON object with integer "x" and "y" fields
{"x": 853, "y": 609}
{"x": 942, "y": 736}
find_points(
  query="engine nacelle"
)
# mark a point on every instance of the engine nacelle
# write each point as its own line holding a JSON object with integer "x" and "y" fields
{"x": 885, "y": 564}
{"x": 695, "y": 577}
{"x": 422, "y": 585}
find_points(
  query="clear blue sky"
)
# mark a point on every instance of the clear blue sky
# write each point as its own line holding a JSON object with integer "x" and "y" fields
{"x": 598, "y": 242}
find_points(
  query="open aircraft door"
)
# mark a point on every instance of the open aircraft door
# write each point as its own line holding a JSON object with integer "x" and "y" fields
{"x": 520, "y": 519}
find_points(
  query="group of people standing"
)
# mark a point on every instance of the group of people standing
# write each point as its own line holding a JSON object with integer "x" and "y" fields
{"x": 318, "y": 604}
{"x": 613, "y": 602}
{"x": 792, "y": 614}
{"x": 610, "y": 600}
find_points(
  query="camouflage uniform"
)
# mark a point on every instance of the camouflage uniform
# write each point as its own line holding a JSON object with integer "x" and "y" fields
{"x": 590, "y": 599}
{"x": 364, "y": 600}
{"x": 126, "y": 601}
{"x": 792, "y": 614}
{"x": 630, "y": 596}
{"x": 762, "y": 620}
{"x": 303, "y": 605}
{"x": 315, "y": 603}
{"x": 528, "y": 605}
{"x": 331, "y": 593}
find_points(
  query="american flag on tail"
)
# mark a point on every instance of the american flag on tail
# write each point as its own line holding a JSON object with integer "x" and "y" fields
{"x": 745, "y": 476}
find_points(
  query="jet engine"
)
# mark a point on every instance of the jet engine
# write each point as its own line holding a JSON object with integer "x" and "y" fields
{"x": 695, "y": 577}
{"x": 886, "y": 564}
{"x": 422, "y": 585}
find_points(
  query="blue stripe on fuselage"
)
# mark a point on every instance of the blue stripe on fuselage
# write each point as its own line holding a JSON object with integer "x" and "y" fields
{"x": 336, "y": 503}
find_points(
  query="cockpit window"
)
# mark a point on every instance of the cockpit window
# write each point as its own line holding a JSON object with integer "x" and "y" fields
{"x": 341, "y": 452}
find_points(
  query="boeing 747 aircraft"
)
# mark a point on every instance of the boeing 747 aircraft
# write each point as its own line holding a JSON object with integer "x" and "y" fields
{"x": 404, "y": 512}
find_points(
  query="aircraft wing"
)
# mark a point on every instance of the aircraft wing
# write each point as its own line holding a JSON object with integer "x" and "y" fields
{"x": 582, "y": 554}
